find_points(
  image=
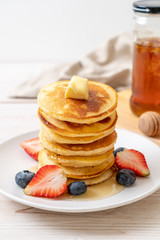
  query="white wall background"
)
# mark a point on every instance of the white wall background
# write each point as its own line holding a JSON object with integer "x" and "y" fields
{"x": 58, "y": 30}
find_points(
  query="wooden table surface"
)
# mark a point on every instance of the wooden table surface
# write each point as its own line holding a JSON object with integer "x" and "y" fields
{"x": 139, "y": 220}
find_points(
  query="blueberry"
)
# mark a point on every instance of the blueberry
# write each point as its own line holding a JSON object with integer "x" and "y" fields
{"x": 23, "y": 178}
{"x": 120, "y": 149}
{"x": 126, "y": 177}
{"x": 77, "y": 188}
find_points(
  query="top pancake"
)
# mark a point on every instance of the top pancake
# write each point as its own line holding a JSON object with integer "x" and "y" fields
{"x": 101, "y": 103}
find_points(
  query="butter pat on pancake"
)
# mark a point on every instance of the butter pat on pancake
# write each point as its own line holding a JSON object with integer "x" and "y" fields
{"x": 102, "y": 102}
{"x": 77, "y": 88}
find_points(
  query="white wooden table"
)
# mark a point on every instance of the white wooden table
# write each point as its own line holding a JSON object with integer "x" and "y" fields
{"x": 139, "y": 220}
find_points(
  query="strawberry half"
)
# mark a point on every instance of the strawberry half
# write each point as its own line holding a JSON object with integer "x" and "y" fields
{"x": 32, "y": 147}
{"x": 49, "y": 181}
{"x": 133, "y": 160}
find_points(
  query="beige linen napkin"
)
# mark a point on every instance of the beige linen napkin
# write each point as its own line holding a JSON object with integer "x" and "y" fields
{"x": 111, "y": 63}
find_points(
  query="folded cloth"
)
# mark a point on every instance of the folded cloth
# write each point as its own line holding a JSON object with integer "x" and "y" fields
{"x": 111, "y": 63}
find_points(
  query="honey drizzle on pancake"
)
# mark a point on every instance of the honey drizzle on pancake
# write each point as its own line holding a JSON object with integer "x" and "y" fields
{"x": 60, "y": 159}
{"x": 78, "y": 172}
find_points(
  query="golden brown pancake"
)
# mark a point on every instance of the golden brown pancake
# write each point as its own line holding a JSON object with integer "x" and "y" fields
{"x": 78, "y": 135}
{"x": 101, "y": 103}
{"x": 96, "y": 148}
{"x": 78, "y": 161}
{"x": 68, "y": 129}
{"x": 89, "y": 181}
{"x": 92, "y": 181}
{"x": 78, "y": 173}
{"x": 54, "y": 137}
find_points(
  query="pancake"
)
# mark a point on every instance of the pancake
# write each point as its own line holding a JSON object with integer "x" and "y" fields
{"x": 92, "y": 181}
{"x": 78, "y": 173}
{"x": 54, "y": 137}
{"x": 78, "y": 161}
{"x": 101, "y": 103}
{"x": 91, "y": 149}
{"x": 64, "y": 128}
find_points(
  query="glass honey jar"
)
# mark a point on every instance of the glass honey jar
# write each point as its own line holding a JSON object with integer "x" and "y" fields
{"x": 146, "y": 57}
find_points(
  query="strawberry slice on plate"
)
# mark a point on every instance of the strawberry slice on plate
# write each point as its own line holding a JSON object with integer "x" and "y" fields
{"x": 32, "y": 147}
{"x": 133, "y": 160}
{"x": 50, "y": 181}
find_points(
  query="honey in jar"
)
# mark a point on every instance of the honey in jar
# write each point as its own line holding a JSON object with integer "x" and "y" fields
{"x": 146, "y": 76}
{"x": 146, "y": 57}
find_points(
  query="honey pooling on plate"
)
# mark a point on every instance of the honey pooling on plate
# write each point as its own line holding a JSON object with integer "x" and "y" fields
{"x": 146, "y": 76}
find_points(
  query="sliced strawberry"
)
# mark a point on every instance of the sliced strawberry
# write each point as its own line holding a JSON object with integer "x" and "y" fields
{"x": 133, "y": 160}
{"x": 32, "y": 147}
{"x": 50, "y": 181}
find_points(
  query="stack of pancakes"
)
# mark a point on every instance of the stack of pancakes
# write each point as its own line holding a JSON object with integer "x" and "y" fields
{"x": 78, "y": 135}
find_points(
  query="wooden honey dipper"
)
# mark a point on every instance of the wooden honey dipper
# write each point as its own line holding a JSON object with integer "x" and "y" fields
{"x": 149, "y": 123}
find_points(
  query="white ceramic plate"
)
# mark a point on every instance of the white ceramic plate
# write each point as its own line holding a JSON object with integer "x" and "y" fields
{"x": 13, "y": 159}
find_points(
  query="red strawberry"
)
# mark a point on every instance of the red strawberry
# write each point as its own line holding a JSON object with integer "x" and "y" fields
{"x": 133, "y": 160}
{"x": 49, "y": 181}
{"x": 32, "y": 147}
